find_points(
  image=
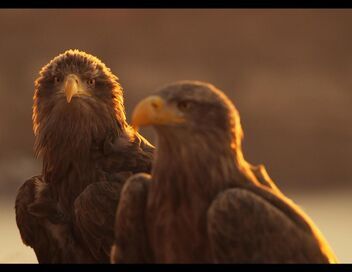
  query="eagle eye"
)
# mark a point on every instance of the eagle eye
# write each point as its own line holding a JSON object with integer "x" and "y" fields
{"x": 57, "y": 79}
{"x": 184, "y": 105}
{"x": 91, "y": 82}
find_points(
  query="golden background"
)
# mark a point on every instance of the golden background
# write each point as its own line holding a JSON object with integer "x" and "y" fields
{"x": 287, "y": 71}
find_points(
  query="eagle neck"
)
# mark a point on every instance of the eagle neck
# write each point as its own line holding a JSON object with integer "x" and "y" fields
{"x": 72, "y": 150}
{"x": 195, "y": 170}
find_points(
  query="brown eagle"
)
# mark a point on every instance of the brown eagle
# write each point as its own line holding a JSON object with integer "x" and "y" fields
{"x": 203, "y": 203}
{"x": 67, "y": 213}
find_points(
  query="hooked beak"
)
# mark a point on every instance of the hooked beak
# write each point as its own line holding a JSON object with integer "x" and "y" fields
{"x": 73, "y": 87}
{"x": 153, "y": 110}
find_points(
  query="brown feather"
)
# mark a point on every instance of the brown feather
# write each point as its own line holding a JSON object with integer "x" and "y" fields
{"x": 205, "y": 203}
{"x": 79, "y": 145}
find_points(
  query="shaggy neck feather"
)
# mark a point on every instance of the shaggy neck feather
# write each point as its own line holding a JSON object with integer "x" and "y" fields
{"x": 194, "y": 170}
{"x": 68, "y": 138}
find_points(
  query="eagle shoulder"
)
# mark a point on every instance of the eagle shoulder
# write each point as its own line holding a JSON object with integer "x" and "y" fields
{"x": 245, "y": 227}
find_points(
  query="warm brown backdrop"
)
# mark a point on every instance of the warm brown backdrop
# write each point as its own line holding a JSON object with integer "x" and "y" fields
{"x": 288, "y": 72}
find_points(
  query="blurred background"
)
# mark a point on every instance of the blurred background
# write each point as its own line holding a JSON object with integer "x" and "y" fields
{"x": 287, "y": 71}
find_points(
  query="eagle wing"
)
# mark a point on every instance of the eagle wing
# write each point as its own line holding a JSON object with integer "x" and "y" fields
{"x": 95, "y": 207}
{"x": 95, "y": 216}
{"x": 244, "y": 227}
{"x": 131, "y": 243}
{"x": 34, "y": 211}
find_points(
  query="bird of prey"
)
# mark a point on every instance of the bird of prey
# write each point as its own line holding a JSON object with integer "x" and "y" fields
{"x": 66, "y": 214}
{"x": 203, "y": 203}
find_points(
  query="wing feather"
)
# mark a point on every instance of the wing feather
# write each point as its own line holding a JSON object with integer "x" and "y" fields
{"x": 246, "y": 228}
{"x": 95, "y": 216}
{"x": 32, "y": 208}
{"x": 131, "y": 242}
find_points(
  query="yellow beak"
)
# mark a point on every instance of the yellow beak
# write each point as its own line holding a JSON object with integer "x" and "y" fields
{"x": 73, "y": 86}
{"x": 153, "y": 110}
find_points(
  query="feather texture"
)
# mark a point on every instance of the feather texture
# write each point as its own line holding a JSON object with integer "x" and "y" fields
{"x": 66, "y": 214}
{"x": 204, "y": 202}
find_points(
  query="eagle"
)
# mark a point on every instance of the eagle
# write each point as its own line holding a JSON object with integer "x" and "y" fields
{"x": 66, "y": 214}
{"x": 203, "y": 202}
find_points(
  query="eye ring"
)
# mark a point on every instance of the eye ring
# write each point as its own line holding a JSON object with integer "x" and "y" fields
{"x": 91, "y": 82}
{"x": 184, "y": 105}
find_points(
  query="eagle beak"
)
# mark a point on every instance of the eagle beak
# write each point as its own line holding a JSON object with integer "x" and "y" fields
{"x": 72, "y": 87}
{"x": 153, "y": 110}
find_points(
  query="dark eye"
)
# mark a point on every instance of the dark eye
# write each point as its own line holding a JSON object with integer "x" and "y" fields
{"x": 57, "y": 79}
{"x": 91, "y": 82}
{"x": 184, "y": 105}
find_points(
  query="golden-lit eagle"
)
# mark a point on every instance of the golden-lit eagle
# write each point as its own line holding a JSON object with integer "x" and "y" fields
{"x": 203, "y": 203}
{"x": 67, "y": 213}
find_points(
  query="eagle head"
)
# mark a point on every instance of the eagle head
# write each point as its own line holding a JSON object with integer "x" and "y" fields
{"x": 188, "y": 109}
{"x": 77, "y": 102}
{"x": 199, "y": 138}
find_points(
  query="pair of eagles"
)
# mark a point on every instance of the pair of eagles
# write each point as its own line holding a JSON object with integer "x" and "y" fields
{"x": 104, "y": 197}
